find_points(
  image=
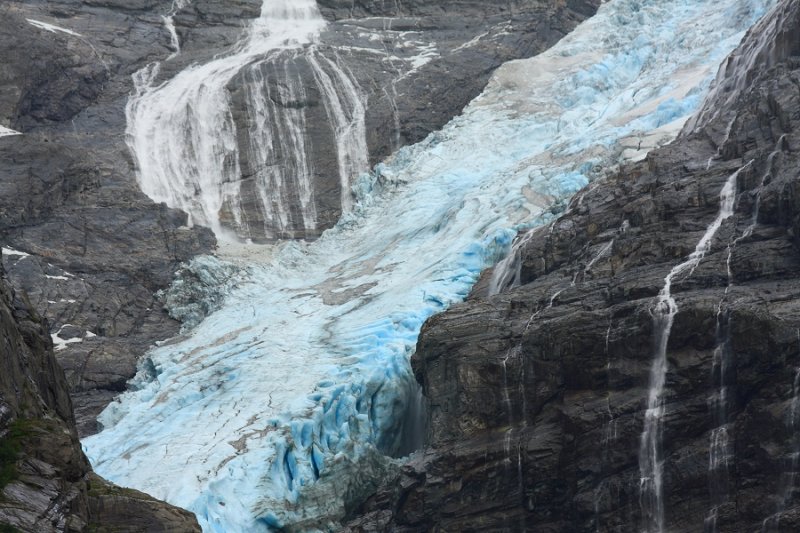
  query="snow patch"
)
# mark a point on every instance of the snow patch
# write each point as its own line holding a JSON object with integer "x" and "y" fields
{"x": 472, "y": 42}
{"x": 51, "y": 28}
{"x": 11, "y": 251}
{"x": 61, "y": 344}
{"x": 7, "y": 132}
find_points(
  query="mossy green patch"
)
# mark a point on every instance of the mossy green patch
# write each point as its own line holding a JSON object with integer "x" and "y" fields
{"x": 10, "y": 446}
{"x": 99, "y": 487}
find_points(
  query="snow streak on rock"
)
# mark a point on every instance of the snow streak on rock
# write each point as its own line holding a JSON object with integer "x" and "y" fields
{"x": 51, "y": 27}
{"x": 5, "y": 132}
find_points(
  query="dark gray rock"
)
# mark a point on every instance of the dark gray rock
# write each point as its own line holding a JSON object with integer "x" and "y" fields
{"x": 537, "y": 395}
{"x": 46, "y": 483}
{"x": 98, "y": 247}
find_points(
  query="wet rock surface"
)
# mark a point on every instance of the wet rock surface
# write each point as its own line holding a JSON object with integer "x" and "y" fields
{"x": 46, "y": 483}
{"x": 538, "y": 394}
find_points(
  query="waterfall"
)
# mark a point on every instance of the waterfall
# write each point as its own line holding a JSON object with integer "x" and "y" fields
{"x": 169, "y": 24}
{"x": 514, "y": 464}
{"x": 415, "y": 423}
{"x": 506, "y": 274}
{"x": 779, "y": 147}
{"x": 278, "y": 149}
{"x": 786, "y": 488}
{"x": 609, "y": 436}
{"x": 346, "y": 113}
{"x": 191, "y": 154}
{"x": 610, "y": 431}
{"x": 720, "y": 454}
{"x": 651, "y": 461}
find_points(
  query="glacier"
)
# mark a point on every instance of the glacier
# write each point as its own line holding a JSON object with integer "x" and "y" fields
{"x": 280, "y": 408}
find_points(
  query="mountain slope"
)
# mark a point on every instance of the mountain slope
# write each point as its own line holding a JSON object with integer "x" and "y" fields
{"x": 90, "y": 249}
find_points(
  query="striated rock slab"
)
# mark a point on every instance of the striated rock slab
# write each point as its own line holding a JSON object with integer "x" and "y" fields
{"x": 117, "y": 510}
{"x": 46, "y": 483}
{"x": 538, "y": 394}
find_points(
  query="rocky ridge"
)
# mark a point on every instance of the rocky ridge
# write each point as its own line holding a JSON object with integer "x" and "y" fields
{"x": 83, "y": 243}
{"x": 538, "y": 394}
{"x": 46, "y": 483}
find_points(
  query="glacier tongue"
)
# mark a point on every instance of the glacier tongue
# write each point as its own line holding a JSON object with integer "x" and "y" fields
{"x": 272, "y": 412}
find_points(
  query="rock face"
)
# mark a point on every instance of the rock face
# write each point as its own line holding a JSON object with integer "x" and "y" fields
{"x": 422, "y": 62}
{"x": 46, "y": 483}
{"x": 83, "y": 243}
{"x": 538, "y": 395}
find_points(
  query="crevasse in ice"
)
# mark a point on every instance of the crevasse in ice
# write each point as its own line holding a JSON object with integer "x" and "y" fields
{"x": 277, "y": 407}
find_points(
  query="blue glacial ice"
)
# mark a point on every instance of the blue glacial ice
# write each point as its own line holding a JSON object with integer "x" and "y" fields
{"x": 277, "y": 409}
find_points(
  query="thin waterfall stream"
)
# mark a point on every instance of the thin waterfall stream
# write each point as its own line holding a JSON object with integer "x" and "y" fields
{"x": 720, "y": 449}
{"x": 651, "y": 459}
{"x": 282, "y": 408}
{"x": 787, "y": 483}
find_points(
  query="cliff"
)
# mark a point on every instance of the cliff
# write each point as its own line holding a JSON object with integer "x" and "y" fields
{"x": 46, "y": 483}
{"x": 86, "y": 246}
{"x": 641, "y": 367}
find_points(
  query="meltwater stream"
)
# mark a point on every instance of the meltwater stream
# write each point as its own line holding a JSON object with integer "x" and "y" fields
{"x": 187, "y": 146}
{"x": 276, "y": 410}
